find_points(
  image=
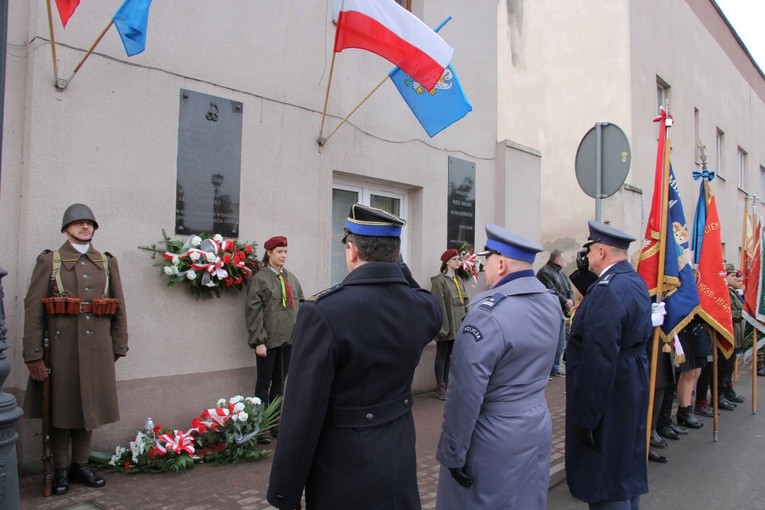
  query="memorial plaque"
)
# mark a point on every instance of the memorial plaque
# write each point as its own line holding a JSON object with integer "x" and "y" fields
{"x": 209, "y": 165}
{"x": 461, "y": 209}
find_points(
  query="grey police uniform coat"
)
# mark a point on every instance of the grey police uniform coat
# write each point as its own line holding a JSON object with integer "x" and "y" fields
{"x": 496, "y": 422}
{"x": 347, "y": 432}
{"x": 607, "y": 388}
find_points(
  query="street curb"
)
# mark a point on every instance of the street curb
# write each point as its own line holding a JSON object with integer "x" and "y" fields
{"x": 557, "y": 474}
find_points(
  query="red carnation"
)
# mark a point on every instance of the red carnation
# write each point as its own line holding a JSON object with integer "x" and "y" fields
{"x": 248, "y": 249}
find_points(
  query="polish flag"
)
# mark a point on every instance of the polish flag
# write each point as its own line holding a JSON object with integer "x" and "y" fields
{"x": 386, "y": 28}
{"x": 66, "y": 9}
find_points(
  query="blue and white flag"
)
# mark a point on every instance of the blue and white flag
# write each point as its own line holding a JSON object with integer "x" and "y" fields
{"x": 438, "y": 109}
{"x": 132, "y": 20}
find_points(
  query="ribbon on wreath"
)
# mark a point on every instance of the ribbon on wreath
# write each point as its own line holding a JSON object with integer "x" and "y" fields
{"x": 218, "y": 417}
{"x": 467, "y": 264}
{"x": 178, "y": 443}
{"x": 705, "y": 174}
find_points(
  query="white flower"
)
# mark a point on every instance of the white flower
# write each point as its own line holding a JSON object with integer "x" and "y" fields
{"x": 168, "y": 270}
{"x": 211, "y": 283}
{"x": 191, "y": 274}
{"x": 137, "y": 446}
{"x": 238, "y": 407}
{"x": 194, "y": 256}
{"x": 196, "y": 241}
{"x": 176, "y": 260}
{"x": 221, "y": 402}
{"x": 234, "y": 417}
{"x": 242, "y": 416}
{"x": 236, "y": 399}
{"x": 253, "y": 400}
{"x": 117, "y": 454}
{"x": 218, "y": 238}
{"x": 211, "y": 257}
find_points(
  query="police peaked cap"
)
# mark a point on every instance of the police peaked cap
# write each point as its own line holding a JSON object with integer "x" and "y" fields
{"x": 509, "y": 245}
{"x": 600, "y": 233}
{"x": 364, "y": 220}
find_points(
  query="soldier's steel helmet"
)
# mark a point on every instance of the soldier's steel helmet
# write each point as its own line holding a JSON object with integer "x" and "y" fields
{"x": 78, "y": 212}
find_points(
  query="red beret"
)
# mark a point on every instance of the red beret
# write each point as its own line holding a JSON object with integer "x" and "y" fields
{"x": 451, "y": 252}
{"x": 274, "y": 242}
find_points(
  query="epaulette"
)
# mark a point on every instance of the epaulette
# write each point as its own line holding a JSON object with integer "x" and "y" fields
{"x": 108, "y": 254}
{"x": 606, "y": 279}
{"x": 325, "y": 292}
{"x": 45, "y": 251}
{"x": 490, "y": 303}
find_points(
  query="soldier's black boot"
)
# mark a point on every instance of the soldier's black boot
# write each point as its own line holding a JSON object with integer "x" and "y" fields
{"x": 686, "y": 418}
{"x": 82, "y": 473}
{"x": 60, "y": 483}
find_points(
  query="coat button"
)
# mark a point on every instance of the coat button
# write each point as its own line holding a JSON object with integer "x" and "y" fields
{"x": 85, "y": 276}
{"x": 406, "y": 402}
{"x": 87, "y": 289}
{"x": 370, "y": 417}
{"x": 280, "y": 497}
{"x": 88, "y": 317}
{"x": 88, "y": 332}
{"x": 82, "y": 262}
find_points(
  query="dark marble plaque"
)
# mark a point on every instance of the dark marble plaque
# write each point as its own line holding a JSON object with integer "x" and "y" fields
{"x": 461, "y": 208}
{"x": 209, "y": 165}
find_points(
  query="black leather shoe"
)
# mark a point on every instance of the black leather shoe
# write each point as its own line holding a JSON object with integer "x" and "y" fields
{"x": 678, "y": 429}
{"x": 705, "y": 411}
{"x": 732, "y": 396}
{"x": 655, "y": 457}
{"x": 264, "y": 438}
{"x": 82, "y": 473}
{"x": 658, "y": 442}
{"x": 60, "y": 483}
{"x": 667, "y": 432}
{"x": 724, "y": 404}
{"x": 686, "y": 418}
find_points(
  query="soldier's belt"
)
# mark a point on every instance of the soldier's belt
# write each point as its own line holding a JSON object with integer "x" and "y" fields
{"x": 61, "y": 305}
{"x": 372, "y": 416}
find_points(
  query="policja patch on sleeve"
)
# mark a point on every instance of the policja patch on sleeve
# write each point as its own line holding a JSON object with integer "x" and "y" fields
{"x": 473, "y": 331}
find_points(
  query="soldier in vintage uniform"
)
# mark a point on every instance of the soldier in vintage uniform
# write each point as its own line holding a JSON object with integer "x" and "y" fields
{"x": 496, "y": 436}
{"x": 607, "y": 379}
{"x": 75, "y": 298}
{"x": 273, "y": 298}
{"x": 348, "y": 433}
{"x": 450, "y": 293}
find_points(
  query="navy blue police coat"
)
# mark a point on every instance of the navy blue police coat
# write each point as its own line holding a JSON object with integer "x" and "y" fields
{"x": 347, "y": 432}
{"x": 607, "y": 388}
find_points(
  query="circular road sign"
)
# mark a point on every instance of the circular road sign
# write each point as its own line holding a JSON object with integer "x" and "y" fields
{"x": 615, "y": 160}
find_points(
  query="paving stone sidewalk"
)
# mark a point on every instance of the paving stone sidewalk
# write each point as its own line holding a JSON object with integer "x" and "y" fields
{"x": 243, "y": 486}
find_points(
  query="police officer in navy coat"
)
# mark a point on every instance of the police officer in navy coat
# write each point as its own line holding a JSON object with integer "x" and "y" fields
{"x": 607, "y": 379}
{"x": 348, "y": 433}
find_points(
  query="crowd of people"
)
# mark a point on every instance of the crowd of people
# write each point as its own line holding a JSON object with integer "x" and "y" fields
{"x": 346, "y": 435}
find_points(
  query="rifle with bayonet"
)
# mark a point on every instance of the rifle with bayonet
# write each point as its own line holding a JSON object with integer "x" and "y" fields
{"x": 47, "y": 455}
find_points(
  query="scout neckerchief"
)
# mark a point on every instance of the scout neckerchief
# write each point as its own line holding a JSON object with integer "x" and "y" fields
{"x": 286, "y": 291}
{"x": 459, "y": 288}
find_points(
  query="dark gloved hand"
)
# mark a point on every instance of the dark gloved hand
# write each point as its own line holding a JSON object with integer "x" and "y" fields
{"x": 586, "y": 436}
{"x": 462, "y": 478}
{"x": 581, "y": 259}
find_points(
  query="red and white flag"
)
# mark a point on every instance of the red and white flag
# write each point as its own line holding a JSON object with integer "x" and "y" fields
{"x": 66, "y": 9}
{"x": 387, "y": 29}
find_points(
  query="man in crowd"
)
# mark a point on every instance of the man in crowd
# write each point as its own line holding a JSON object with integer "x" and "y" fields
{"x": 497, "y": 434}
{"x": 552, "y": 276}
{"x": 347, "y": 433}
{"x": 87, "y": 333}
{"x": 607, "y": 379}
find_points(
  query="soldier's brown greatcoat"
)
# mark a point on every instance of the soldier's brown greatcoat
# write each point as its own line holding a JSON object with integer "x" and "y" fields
{"x": 83, "y": 348}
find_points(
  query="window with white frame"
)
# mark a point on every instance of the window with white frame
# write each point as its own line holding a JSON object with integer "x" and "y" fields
{"x": 720, "y": 153}
{"x": 348, "y": 191}
{"x": 662, "y": 94}
{"x": 762, "y": 184}
{"x": 741, "y": 169}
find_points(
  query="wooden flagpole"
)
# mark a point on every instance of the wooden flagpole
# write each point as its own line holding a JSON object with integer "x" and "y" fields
{"x": 754, "y": 370}
{"x": 755, "y": 225}
{"x": 353, "y": 111}
{"x": 90, "y": 50}
{"x": 715, "y": 391}
{"x": 53, "y": 45}
{"x": 321, "y": 141}
{"x": 659, "y": 278}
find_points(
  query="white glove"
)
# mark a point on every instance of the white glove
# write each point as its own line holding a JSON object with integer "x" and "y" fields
{"x": 657, "y": 314}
